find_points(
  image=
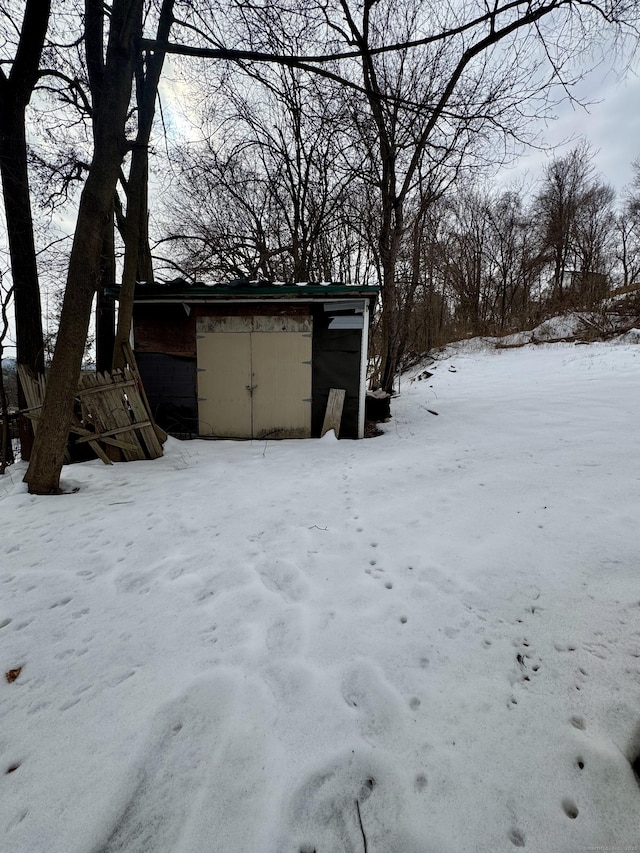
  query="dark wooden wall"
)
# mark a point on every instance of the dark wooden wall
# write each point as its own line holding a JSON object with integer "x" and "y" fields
{"x": 336, "y": 364}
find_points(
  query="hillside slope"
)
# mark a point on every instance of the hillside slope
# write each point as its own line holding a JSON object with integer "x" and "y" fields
{"x": 430, "y": 640}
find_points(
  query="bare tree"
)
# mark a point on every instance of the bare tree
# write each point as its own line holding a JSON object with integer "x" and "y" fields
{"x": 265, "y": 197}
{"x": 468, "y": 266}
{"x": 515, "y": 259}
{"x": 221, "y": 220}
{"x": 565, "y": 182}
{"x": 593, "y": 236}
{"x": 628, "y": 232}
{"x": 105, "y": 320}
{"x": 16, "y": 88}
{"x": 437, "y": 79}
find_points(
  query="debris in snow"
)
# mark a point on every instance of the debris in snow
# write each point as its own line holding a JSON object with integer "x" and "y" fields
{"x": 377, "y": 405}
{"x": 12, "y": 674}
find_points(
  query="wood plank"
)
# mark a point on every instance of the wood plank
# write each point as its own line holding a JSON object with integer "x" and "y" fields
{"x": 32, "y": 393}
{"x": 105, "y": 411}
{"x": 164, "y": 328}
{"x": 88, "y": 384}
{"x": 333, "y": 414}
{"x": 118, "y": 431}
{"x": 98, "y": 389}
{"x": 143, "y": 422}
{"x": 115, "y": 442}
{"x": 117, "y": 412}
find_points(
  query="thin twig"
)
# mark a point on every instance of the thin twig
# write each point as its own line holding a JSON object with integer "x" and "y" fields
{"x": 364, "y": 837}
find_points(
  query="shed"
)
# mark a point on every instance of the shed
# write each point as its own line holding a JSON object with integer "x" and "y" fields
{"x": 252, "y": 359}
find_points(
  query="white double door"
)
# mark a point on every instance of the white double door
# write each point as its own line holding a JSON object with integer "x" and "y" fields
{"x": 254, "y": 377}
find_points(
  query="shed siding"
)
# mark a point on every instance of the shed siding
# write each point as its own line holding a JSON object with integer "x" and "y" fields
{"x": 336, "y": 364}
{"x": 164, "y": 329}
{"x": 170, "y": 384}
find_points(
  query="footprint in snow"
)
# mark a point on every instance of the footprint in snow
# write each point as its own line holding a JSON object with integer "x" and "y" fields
{"x": 421, "y": 782}
{"x": 350, "y": 804}
{"x": 177, "y": 758}
{"x": 598, "y": 650}
{"x": 135, "y": 582}
{"x": 380, "y": 708}
{"x": 286, "y": 580}
{"x": 286, "y": 636}
{"x": 527, "y": 663}
{"x": 70, "y": 704}
{"x": 564, "y": 647}
{"x": 516, "y": 837}
{"x": 61, "y": 603}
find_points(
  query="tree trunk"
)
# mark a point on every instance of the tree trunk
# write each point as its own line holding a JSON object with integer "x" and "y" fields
{"x": 390, "y": 326}
{"x": 17, "y": 205}
{"x": 96, "y": 204}
{"x": 136, "y": 223}
{"x": 136, "y": 194}
{"x": 6, "y": 450}
{"x": 15, "y": 94}
{"x": 105, "y": 305}
{"x": 105, "y": 318}
{"x": 390, "y": 238}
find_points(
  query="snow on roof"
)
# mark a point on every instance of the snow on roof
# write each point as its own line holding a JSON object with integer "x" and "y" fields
{"x": 243, "y": 288}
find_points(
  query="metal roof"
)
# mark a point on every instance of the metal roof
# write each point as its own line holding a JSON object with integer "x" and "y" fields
{"x": 180, "y": 290}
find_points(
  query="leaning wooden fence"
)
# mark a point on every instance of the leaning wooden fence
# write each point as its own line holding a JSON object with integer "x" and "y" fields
{"x": 111, "y": 414}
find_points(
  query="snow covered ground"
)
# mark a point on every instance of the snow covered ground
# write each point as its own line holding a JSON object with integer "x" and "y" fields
{"x": 429, "y": 640}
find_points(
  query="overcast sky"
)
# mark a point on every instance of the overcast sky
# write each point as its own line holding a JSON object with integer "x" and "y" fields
{"x": 611, "y": 123}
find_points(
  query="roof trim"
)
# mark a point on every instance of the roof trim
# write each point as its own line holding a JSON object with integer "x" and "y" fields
{"x": 245, "y": 291}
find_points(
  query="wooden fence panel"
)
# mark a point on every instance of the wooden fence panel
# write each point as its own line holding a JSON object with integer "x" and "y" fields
{"x": 113, "y": 418}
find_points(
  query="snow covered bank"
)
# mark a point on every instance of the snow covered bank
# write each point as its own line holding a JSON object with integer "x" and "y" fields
{"x": 430, "y": 639}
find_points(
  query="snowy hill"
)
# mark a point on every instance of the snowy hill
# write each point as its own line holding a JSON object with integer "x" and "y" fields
{"x": 429, "y": 640}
